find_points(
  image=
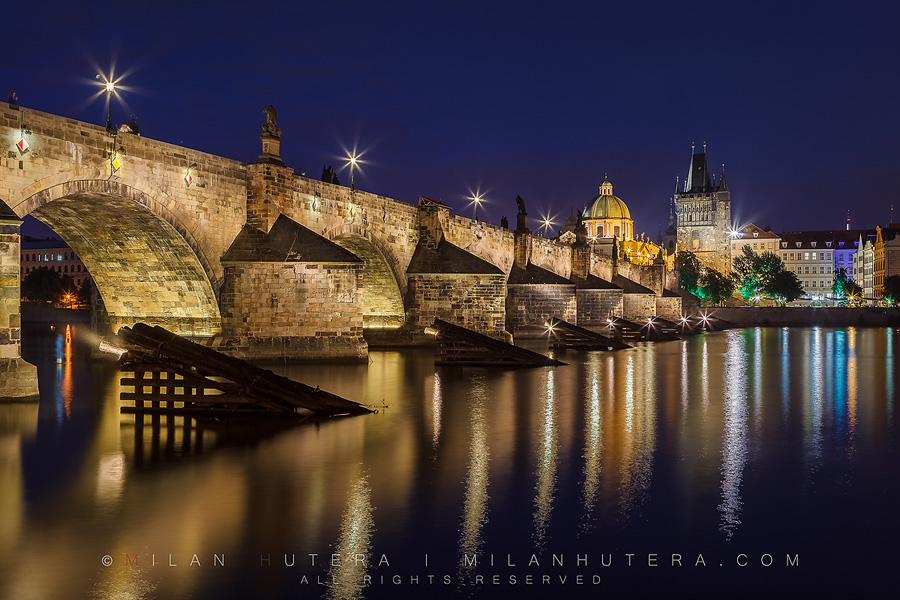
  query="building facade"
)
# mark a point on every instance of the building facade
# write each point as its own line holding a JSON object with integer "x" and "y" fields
{"x": 886, "y": 257}
{"x": 815, "y": 257}
{"x": 55, "y": 255}
{"x": 864, "y": 266}
{"x": 703, "y": 215}
{"x": 758, "y": 240}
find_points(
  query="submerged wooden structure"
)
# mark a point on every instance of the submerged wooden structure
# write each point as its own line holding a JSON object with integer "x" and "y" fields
{"x": 463, "y": 347}
{"x": 177, "y": 377}
{"x": 566, "y": 335}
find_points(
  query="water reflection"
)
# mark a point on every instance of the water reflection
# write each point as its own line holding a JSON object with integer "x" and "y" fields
{"x": 596, "y": 454}
{"x": 734, "y": 445}
{"x": 546, "y": 462}
{"x": 593, "y": 443}
{"x": 476, "y": 497}
{"x": 346, "y": 579}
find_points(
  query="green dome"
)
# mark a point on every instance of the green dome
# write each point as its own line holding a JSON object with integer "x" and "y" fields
{"x": 606, "y": 206}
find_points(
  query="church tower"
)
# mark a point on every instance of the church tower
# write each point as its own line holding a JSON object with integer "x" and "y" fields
{"x": 703, "y": 215}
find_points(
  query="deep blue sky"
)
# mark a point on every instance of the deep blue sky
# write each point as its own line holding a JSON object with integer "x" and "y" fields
{"x": 801, "y": 102}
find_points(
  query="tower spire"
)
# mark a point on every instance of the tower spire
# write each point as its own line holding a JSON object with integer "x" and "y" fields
{"x": 723, "y": 184}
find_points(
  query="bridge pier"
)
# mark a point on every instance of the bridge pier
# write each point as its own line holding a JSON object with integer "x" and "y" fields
{"x": 18, "y": 379}
{"x": 290, "y": 294}
{"x": 446, "y": 282}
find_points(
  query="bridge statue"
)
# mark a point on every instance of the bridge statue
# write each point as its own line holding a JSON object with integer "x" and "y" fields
{"x": 269, "y": 128}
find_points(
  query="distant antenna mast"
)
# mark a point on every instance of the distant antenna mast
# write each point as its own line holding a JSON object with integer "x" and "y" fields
{"x": 848, "y": 220}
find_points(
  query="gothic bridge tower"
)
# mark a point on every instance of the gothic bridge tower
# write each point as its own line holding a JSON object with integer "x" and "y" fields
{"x": 703, "y": 214}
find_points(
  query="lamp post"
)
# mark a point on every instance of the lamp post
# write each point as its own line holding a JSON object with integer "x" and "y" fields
{"x": 546, "y": 225}
{"x": 110, "y": 88}
{"x": 353, "y": 162}
{"x": 477, "y": 199}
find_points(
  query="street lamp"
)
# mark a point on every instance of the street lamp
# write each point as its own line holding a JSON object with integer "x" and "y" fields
{"x": 110, "y": 88}
{"x": 353, "y": 162}
{"x": 477, "y": 199}
{"x": 545, "y": 224}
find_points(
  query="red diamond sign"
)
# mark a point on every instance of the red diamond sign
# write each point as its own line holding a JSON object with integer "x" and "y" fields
{"x": 189, "y": 179}
{"x": 22, "y": 145}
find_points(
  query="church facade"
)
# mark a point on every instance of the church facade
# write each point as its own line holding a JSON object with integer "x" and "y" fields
{"x": 703, "y": 215}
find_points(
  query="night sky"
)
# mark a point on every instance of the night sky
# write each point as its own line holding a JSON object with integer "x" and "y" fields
{"x": 802, "y": 104}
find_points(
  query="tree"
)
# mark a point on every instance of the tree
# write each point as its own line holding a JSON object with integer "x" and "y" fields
{"x": 785, "y": 287}
{"x": 690, "y": 270}
{"x": 845, "y": 289}
{"x": 717, "y": 288}
{"x": 46, "y": 285}
{"x": 744, "y": 274}
{"x": 891, "y": 292}
{"x": 84, "y": 292}
{"x": 763, "y": 275}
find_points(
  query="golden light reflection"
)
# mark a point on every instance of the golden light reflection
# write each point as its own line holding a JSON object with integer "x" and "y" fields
{"x": 475, "y": 506}
{"x": 593, "y": 444}
{"x": 852, "y": 384}
{"x": 346, "y": 579}
{"x": 110, "y": 477}
{"x": 638, "y": 430}
{"x": 437, "y": 401}
{"x": 67, "y": 386}
{"x": 734, "y": 444}
{"x": 546, "y": 460}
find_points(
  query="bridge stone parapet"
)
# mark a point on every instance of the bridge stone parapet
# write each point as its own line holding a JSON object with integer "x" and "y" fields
{"x": 155, "y": 223}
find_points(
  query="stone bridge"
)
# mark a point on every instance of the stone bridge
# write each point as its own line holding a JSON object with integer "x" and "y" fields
{"x": 267, "y": 263}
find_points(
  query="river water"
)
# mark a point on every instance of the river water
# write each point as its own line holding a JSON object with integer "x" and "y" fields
{"x": 731, "y": 463}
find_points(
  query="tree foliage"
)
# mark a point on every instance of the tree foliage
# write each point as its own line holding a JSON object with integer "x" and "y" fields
{"x": 891, "y": 292}
{"x": 690, "y": 270}
{"x": 717, "y": 288}
{"x": 845, "y": 289}
{"x": 46, "y": 285}
{"x": 764, "y": 276}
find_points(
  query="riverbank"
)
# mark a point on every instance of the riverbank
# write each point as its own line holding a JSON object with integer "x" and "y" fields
{"x": 805, "y": 316}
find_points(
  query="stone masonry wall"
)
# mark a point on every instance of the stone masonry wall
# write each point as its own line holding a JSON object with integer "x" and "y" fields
{"x": 297, "y": 310}
{"x": 596, "y": 306}
{"x": 668, "y": 308}
{"x": 639, "y": 306}
{"x": 18, "y": 379}
{"x": 528, "y": 306}
{"x": 472, "y": 301}
{"x": 208, "y": 213}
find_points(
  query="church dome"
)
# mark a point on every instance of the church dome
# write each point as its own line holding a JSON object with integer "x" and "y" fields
{"x": 606, "y": 206}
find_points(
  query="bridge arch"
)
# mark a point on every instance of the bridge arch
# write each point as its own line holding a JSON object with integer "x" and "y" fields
{"x": 146, "y": 265}
{"x": 384, "y": 283}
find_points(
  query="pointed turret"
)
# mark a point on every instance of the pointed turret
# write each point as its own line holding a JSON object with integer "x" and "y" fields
{"x": 723, "y": 184}
{"x": 698, "y": 179}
